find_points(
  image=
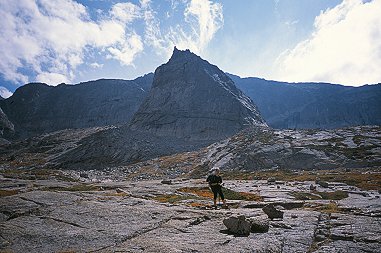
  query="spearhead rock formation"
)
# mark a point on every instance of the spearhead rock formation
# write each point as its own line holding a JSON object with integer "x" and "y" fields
{"x": 193, "y": 99}
{"x": 190, "y": 105}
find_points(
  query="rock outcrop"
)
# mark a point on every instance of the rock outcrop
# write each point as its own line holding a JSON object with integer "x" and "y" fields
{"x": 273, "y": 212}
{"x": 192, "y": 99}
{"x": 256, "y": 149}
{"x": 238, "y": 225}
{"x": 6, "y": 126}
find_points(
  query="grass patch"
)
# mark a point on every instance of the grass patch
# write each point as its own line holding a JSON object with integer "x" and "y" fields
{"x": 5, "y": 193}
{"x": 74, "y": 188}
{"x": 198, "y": 205}
{"x": 171, "y": 198}
{"x": 332, "y": 207}
{"x": 304, "y": 196}
{"x": 206, "y": 192}
{"x": 117, "y": 194}
{"x": 315, "y": 195}
{"x": 336, "y": 195}
{"x": 203, "y": 192}
{"x": 233, "y": 195}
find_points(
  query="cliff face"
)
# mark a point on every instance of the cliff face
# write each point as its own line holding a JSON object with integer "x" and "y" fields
{"x": 192, "y": 99}
{"x": 191, "y": 104}
{"x": 5, "y": 125}
{"x": 313, "y": 105}
{"x": 37, "y": 108}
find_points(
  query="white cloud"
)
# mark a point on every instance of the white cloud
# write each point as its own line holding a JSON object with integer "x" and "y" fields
{"x": 203, "y": 19}
{"x": 4, "y": 92}
{"x": 96, "y": 65}
{"x": 207, "y": 17}
{"x": 126, "y": 12}
{"x": 127, "y": 51}
{"x": 51, "y": 78}
{"x": 345, "y": 47}
{"x": 51, "y": 38}
{"x": 46, "y": 41}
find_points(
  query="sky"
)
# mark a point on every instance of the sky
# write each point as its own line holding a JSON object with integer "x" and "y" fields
{"x": 72, "y": 41}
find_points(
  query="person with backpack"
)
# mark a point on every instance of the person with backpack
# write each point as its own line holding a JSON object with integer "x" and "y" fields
{"x": 215, "y": 181}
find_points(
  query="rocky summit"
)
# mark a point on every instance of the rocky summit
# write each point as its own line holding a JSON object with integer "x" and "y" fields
{"x": 191, "y": 104}
{"x": 192, "y": 99}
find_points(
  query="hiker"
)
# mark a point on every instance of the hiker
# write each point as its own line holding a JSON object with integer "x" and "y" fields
{"x": 215, "y": 180}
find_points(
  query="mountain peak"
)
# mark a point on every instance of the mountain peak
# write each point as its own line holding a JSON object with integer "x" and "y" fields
{"x": 193, "y": 99}
{"x": 182, "y": 54}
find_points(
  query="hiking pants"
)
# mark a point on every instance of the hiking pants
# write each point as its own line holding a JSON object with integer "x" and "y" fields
{"x": 217, "y": 189}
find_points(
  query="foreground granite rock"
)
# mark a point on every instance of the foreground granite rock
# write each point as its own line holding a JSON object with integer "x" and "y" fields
{"x": 52, "y": 215}
{"x": 238, "y": 225}
{"x": 273, "y": 212}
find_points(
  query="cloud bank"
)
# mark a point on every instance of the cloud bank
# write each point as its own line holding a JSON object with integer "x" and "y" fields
{"x": 46, "y": 41}
{"x": 345, "y": 47}
{"x": 203, "y": 19}
{"x": 49, "y": 39}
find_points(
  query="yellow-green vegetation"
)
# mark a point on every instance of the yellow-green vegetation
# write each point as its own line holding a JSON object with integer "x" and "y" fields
{"x": 304, "y": 196}
{"x": 336, "y": 195}
{"x": 5, "y": 193}
{"x": 36, "y": 174}
{"x": 205, "y": 192}
{"x": 198, "y": 204}
{"x": 229, "y": 194}
{"x": 172, "y": 198}
{"x": 365, "y": 179}
{"x": 74, "y": 188}
{"x": 117, "y": 194}
{"x": 331, "y": 207}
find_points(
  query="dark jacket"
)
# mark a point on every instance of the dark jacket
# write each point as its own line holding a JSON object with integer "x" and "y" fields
{"x": 214, "y": 180}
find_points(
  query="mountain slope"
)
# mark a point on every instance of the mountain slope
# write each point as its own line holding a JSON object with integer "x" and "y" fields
{"x": 192, "y": 99}
{"x": 37, "y": 108}
{"x": 313, "y": 105}
{"x": 191, "y": 104}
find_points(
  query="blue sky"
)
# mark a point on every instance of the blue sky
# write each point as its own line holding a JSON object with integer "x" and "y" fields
{"x": 71, "y": 41}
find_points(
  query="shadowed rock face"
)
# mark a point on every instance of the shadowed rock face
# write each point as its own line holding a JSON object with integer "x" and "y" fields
{"x": 5, "y": 124}
{"x": 191, "y": 105}
{"x": 313, "y": 105}
{"x": 37, "y": 108}
{"x": 192, "y": 99}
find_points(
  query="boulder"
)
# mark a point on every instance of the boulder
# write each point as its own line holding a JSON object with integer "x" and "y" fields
{"x": 166, "y": 181}
{"x": 273, "y": 212}
{"x": 259, "y": 224}
{"x": 323, "y": 184}
{"x": 238, "y": 225}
